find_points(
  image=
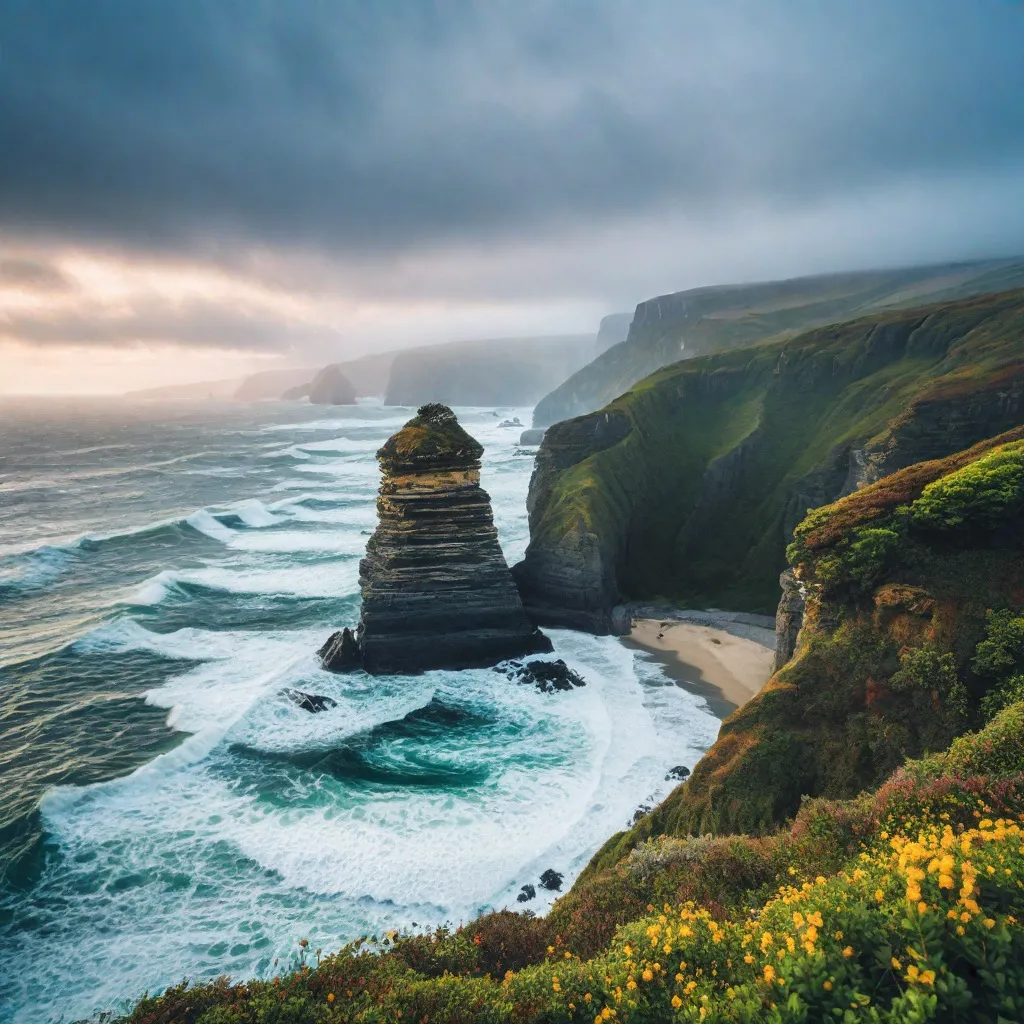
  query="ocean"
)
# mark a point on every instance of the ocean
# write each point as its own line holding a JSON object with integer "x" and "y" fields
{"x": 166, "y": 571}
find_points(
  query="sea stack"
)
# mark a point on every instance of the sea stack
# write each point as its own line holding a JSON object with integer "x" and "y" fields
{"x": 436, "y": 590}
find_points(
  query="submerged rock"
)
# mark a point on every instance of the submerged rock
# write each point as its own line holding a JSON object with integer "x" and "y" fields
{"x": 547, "y": 676}
{"x": 551, "y": 880}
{"x": 527, "y": 893}
{"x": 640, "y": 812}
{"x": 514, "y": 422}
{"x": 436, "y": 591}
{"x": 311, "y": 702}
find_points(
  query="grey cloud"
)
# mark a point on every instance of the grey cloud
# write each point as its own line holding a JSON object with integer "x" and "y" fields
{"x": 197, "y": 324}
{"x": 378, "y": 128}
{"x": 34, "y": 275}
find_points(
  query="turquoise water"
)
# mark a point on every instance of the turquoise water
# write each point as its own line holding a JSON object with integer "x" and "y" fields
{"x": 164, "y": 573}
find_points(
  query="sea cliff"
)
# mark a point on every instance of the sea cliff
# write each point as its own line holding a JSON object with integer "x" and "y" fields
{"x": 688, "y": 486}
{"x": 879, "y": 779}
{"x": 902, "y": 645}
{"x": 701, "y": 321}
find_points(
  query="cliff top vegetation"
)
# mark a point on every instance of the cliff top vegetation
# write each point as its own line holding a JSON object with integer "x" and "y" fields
{"x": 432, "y": 439}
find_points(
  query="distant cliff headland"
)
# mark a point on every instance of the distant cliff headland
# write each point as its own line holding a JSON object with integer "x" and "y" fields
{"x": 499, "y": 371}
{"x": 701, "y": 321}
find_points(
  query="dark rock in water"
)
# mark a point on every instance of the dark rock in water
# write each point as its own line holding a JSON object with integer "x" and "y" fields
{"x": 331, "y": 387}
{"x": 526, "y": 893}
{"x": 551, "y": 880}
{"x": 532, "y": 436}
{"x": 341, "y": 652}
{"x": 311, "y": 702}
{"x": 436, "y": 590}
{"x": 680, "y": 772}
{"x": 547, "y": 676}
{"x": 510, "y": 423}
{"x": 640, "y": 812}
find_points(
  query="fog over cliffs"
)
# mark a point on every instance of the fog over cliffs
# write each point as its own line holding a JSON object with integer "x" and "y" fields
{"x": 512, "y": 371}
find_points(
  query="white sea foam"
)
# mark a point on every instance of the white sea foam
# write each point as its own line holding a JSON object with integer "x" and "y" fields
{"x": 254, "y": 514}
{"x": 205, "y": 523}
{"x": 569, "y": 774}
{"x": 294, "y": 541}
{"x": 154, "y": 591}
{"x": 386, "y": 423}
{"x": 335, "y": 578}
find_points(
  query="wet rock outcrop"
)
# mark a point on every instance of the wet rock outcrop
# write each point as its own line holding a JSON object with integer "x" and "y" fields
{"x": 436, "y": 590}
{"x": 311, "y": 702}
{"x": 341, "y": 652}
{"x": 547, "y": 676}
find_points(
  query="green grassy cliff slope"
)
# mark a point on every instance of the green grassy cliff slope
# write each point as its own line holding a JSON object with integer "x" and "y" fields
{"x": 912, "y": 634}
{"x": 689, "y": 485}
{"x": 705, "y": 320}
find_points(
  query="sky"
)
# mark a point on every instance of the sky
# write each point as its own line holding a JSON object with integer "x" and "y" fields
{"x": 197, "y": 189}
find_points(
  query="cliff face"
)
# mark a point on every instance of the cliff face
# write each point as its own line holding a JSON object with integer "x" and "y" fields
{"x": 612, "y": 330}
{"x": 575, "y": 585}
{"x": 436, "y": 591}
{"x": 700, "y": 321}
{"x": 695, "y": 490}
{"x": 789, "y": 618}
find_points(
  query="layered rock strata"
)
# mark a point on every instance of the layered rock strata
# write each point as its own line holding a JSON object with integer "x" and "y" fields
{"x": 436, "y": 590}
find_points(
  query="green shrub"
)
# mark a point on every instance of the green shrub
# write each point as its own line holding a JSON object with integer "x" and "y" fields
{"x": 859, "y": 561}
{"x": 984, "y": 494}
{"x": 1001, "y": 653}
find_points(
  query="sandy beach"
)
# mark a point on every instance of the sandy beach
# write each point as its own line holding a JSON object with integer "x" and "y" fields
{"x": 725, "y": 669}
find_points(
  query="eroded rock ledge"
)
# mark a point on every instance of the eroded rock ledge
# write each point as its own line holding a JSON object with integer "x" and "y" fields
{"x": 437, "y": 592}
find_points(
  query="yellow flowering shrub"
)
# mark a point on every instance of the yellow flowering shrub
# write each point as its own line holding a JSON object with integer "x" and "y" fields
{"x": 901, "y": 906}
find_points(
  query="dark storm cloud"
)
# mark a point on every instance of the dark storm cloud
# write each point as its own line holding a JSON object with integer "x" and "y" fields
{"x": 372, "y": 128}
